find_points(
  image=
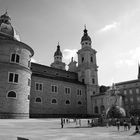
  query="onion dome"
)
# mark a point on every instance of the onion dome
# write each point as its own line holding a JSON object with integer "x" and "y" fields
{"x": 58, "y": 51}
{"x": 85, "y": 36}
{"x": 6, "y": 28}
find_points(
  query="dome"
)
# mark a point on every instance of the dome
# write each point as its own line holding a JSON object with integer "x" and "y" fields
{"x": 58, "y": 52}
{"x": 85, "y": 36}
{"x": 6, "y": 28}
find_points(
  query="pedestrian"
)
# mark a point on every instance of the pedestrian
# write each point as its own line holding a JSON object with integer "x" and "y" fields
{"x": 62, "y": 123}
{"x": 118, "y": 124}
{"x": 80, "y": 122}
{"x": 125, "y": 125}
{"x": 88, "y": 122}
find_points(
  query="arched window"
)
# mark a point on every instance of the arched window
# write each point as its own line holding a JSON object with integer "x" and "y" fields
{"x": 54, "y": 101}
{"x": 79, "y": 102}
{"x": 67, "y": 102}
{"x": 96, "y": 110}
{"x": 102, "y": 108}
{"x": 38, "y": 100}
{"x": 11, "y": 94}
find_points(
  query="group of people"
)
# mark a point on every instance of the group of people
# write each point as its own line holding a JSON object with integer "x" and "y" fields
{"x": 66, "y": 120}
{"x": 126, "y": 124}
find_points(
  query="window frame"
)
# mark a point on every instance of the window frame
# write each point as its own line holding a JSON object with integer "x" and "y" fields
{"x": 55, "y": 100}
{"x": 67, "y": 90}
{"x": 15, "y": 78}
{"x": 54, "y": 88}
{"x": 38, "y": 98}
{"x": 39, "y": 85}
{"x": 15, "y": 58}
{"x": 11, "y": 97}
{"x": 66, "y": 101}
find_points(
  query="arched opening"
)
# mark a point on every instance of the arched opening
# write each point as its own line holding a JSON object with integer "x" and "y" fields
{"x": 79, "y": 102}
{"x": 38, "y": 100}
{"x": 11, "y": 94}
{"x": 54, "y": 101}
{"x": 102, "y": 109}
{"x": 67, "y": 102}
{"x": 96, "y": 110}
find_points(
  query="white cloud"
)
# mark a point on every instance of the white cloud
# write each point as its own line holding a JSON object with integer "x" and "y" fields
{"x": 33, "y": 60}
{"x": 109, "y": 27}
{"x": 129, "y": 58}
{"x": 68, "y": 54}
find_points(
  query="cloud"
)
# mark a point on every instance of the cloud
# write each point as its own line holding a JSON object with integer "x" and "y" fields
{"x": 68, "y": 54}
{"x": 33, "y": 60}
{"x": 129, "y": 58}
{"x": 109, "y": 27}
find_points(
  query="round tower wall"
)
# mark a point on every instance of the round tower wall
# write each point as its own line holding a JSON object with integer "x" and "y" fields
{"x": 14, "y": 107}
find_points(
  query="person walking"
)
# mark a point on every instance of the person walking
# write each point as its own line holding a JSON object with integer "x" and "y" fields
{"x": 118, "y": 124}
{"x": 62, "y": 123}
{"x": 125, "y": 125}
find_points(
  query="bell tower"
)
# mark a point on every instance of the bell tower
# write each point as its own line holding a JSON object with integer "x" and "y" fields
{"x": 58, "y": 59}
{"x": 87, "y": 69}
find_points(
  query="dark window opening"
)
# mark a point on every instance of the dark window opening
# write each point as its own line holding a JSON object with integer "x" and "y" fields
{"x": 38, "y": 100}
{"x": 54, "y": 101}
{"x": 11, "y": 94}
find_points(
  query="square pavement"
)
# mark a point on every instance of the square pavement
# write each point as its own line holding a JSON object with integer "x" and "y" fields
{"x": 50, "y": 129}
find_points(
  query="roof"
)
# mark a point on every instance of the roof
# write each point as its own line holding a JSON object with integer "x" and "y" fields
{"x": 53, "y": 73}
{"x": 127, "y": 82}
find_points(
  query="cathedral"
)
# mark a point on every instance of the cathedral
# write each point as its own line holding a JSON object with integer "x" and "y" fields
{"x": 33, "y": 90}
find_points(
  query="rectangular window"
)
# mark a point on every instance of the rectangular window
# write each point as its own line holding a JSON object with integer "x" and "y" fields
{"x": 13, "y": 77}
{"x": 54, "y": 89}
{"x": 130, "y": 91}
{"x": 79, "y": 92}
{"x": 16, "y": 78}
{"x": 15, "y": 58}
{"x": 29, "y": 64}
{"x": 29, "y": 81}
{"x": 38, "y": 86}
{"x": 67, "y": 90}
{"x": 137, "y": 90}
{"x": 125, "y": 92}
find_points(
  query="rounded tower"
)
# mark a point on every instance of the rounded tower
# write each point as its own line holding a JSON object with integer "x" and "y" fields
{"x": 87, "y": 69}
{"x": 58, "y": 59}
{"x": 15, "y": 72}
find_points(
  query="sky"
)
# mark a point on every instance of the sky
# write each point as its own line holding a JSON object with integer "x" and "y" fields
{"x": 113, "y": 25}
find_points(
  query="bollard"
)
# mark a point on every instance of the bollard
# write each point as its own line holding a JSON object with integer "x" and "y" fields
{"x": 20, "y": 138}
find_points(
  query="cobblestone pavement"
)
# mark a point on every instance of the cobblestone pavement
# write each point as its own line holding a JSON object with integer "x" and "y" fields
{"x": 50, "y": 129}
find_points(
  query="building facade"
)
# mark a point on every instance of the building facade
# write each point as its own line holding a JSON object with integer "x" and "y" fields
{"x": 31, "y": 89}
{"x": 130, "y": 91}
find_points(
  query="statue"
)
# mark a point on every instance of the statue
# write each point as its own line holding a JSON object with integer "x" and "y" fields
{"x": 115, "y": 110}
